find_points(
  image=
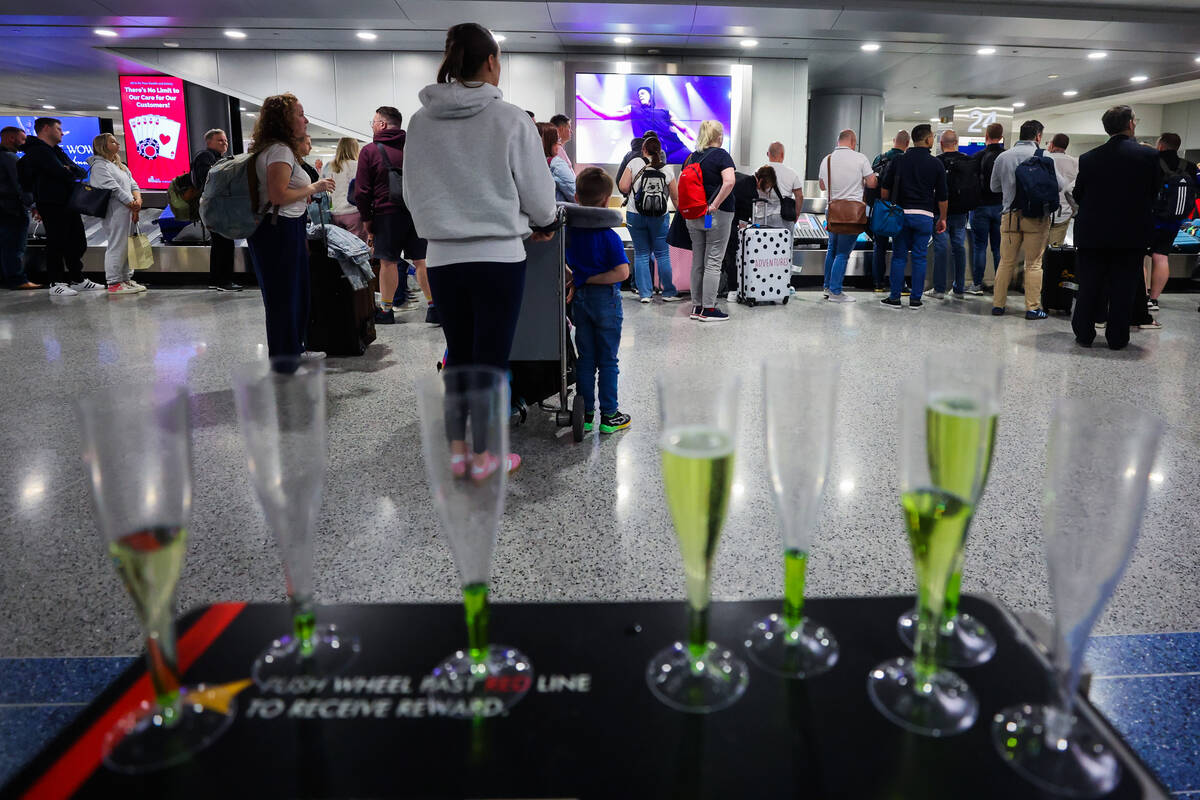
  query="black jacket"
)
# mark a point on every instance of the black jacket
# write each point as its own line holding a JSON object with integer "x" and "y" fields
{"x": 13, "y": 199}
{"x": 921, "y": 179}
{"x": 987, "y": 160}
{"x": 48, "y": 173}
{"x": 201, "y": 164}
{"x": 1115, "y": 192}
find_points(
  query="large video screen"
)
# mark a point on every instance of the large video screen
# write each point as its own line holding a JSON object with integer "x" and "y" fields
{"x": 78, "y": 133}
{"x": 155, "y": 129}
{"x": 611, "y": 109}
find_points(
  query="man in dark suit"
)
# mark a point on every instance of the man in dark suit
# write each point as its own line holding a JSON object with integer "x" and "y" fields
{"x": 1115, "y": 193}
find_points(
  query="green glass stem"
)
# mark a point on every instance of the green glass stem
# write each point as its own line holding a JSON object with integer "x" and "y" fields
{"x": 476, "y": 605}
{"x": 162, "y": 662}
{"x": 304, "y": 624}
{"x": 795, "y": 565}
{"x": 697, "y": 634}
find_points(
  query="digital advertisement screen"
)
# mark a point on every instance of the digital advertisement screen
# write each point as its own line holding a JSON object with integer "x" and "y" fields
{"x": 78, "y": 133}
{"x": 155, "y": 129}
{"x": 611, "y": 109}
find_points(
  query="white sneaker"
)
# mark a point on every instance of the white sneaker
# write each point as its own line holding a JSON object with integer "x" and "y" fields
{"x": 87, "y": 285}
{"x": 62, "y": 290}
{"x": 841, "y": 298}
{"x": 312, "y": 355}
{"x": 136, "y": 285}
{"x": 121, "y": 288}
{"x": 936, "y": 295}
{"x": 674, "y": 298}
{"x": 645, "y": 300}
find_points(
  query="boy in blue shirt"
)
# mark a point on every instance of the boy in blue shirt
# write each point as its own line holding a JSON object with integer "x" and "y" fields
{"x": 598, "y": 264}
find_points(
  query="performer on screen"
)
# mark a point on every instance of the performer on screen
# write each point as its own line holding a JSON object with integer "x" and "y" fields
{"x": 644, "y": 117}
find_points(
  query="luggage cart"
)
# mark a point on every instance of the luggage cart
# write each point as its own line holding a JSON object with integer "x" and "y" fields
{"x": 542, "y": 359}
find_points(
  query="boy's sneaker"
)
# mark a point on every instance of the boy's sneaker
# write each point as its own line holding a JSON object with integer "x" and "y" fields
{"x": 959, "y": 296}
{"x": 888, "y": 302}
{"x": 385, "y": 317}
{"x": 915, "y": 305}
{"x": 644, "y": 300}
{"x": 62, "y": 290}
{"x": 936, "y": 295}
{"x": 841, "y": 298}
{"x": 115, "y": 289}
{"x": 975, "y": 289}
{"x": 997, "y": 311}
{"x": 713, "y": 315}
{"x": 671, "y": 298}
{"x": 695, "y": 312}
{"x": 1036, "y": 313}
{"x": 587, "y": 422}
{"x": 906, "y": 291}
{"x": 87, "y": 285}
{"x": 611, "y": 423}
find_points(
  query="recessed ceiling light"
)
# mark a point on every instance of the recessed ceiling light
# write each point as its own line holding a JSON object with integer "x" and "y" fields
{"x": 749, "y": 42}
{"x": 367, "y": 36}
{"x": 170, "y": 44}
{"x": 1051, "y": 77}
{"x": 499, "y": 37}
{"x": 1139, "y": 79}
{"x": 985, "y": 51}
{"x": 105, "y": 32}
{"x": 935, "y": 119}
{"x": 1019, "y": 104}
{"x": 235, "y": 34}
{"x": 1096, "y": 55}
{"x": 111, "y": 108}
{"x": 871, "y": 47}
{"x": 1070, "y": 93}
{"x": 622, "y": 39}
{"x": 48, "y": 108}
{"x": 915, "y": 111}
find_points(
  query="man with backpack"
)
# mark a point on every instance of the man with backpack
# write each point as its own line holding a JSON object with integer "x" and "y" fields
{"x": 1029, "y": 186}
{"x": 879, "y": 252}
{"x": 220, "y": 252}
{"x": 962, "y": 186}
{"x": 985, "y": 220}
{"x": 390, "y": 229}
{"x": 1179, "y": 186}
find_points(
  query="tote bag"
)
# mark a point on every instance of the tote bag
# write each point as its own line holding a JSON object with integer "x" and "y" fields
{"x": 140, "y": 255}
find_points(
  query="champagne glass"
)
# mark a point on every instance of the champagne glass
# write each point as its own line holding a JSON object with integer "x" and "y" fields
{"x": 281, "y": 408}
{"x": 799, "y": 401}
{"x": 137, "y": 450}
{"x": 699, "y": 433}
{"x": 947, "y": 428}
{"x": 1097, "y": 467}
{"x": 964, "y": 641}
{"x": 464, "y": 436}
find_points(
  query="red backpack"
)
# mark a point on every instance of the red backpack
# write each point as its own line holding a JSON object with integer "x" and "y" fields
{"x": 693, "y": 201}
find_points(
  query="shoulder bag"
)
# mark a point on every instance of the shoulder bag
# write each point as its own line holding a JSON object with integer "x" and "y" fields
{"x": 843, "y": 216}
{"x": 887, "y": 217}
{"x": 86, "y": 199}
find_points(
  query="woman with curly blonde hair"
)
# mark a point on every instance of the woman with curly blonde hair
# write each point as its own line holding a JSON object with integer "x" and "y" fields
{"x": 279, "y": 248}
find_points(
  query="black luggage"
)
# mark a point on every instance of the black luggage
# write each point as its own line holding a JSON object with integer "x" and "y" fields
{"x": 1059, "y": 284}
{"x": 341, "y": 319}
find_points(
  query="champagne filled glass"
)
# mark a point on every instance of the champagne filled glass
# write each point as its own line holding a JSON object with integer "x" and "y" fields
{"x": 1097, "y": 466}
{"x": 947, "y": 428}
{"x": 964, "y": 641}
{"x": 137, "y": 450}
{"x": 799, "y": 403}
{"x": 281, "y": 408}
{"x": 698, "y": 437}
{"x": 464, "y": 436}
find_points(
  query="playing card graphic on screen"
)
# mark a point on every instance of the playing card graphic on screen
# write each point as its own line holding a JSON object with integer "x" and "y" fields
{"x": 155, "y": 129}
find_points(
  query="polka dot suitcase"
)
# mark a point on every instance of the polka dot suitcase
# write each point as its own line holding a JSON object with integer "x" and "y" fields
{"x": 764, "y": 265}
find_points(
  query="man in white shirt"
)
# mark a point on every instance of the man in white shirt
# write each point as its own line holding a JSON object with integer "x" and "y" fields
{"x": 1067, "y": 168}
{"x": 786, "y": 181}
{"x": 843, "y": 174}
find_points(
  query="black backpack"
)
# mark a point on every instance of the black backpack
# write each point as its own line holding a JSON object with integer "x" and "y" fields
{"x": 963, "y": 184}
{"x": 871, "y": 194}
{"x": 987, "y": 161}
{"x": 652, "y": 193}
{"x": 395, "y": 176}
{"x": 1176, "y": 192}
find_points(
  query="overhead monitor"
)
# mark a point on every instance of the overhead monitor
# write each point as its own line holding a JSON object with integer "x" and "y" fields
{"x": 155, "y": 121}
{"x": 611, "y": 109}
{"x": 78, "y": 133}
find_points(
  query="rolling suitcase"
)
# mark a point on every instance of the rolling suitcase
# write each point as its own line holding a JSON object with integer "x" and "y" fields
{"x": 341, "y": 319}
{"x": 1058, "y": 279}
{"x": 764, "y": 265}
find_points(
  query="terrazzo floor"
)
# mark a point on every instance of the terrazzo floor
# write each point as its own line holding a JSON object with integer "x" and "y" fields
{"x": 584, "y": 521}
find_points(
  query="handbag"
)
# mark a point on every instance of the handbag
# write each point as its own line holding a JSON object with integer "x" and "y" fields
{"x": 86, "y": 199}
{"x": 787, "y": 206}
{"x": 139, "y": 254}
{"x": 843, "y": 216}
{"x": 677, "y": 234}
{"x": 887, "y": 217}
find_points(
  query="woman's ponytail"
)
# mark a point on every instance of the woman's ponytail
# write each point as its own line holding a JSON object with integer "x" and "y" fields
{"x": 653, "y": 148}
{"x": 468, "y": 46}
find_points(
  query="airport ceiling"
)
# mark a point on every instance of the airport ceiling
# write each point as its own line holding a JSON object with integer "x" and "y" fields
{"x": 928, "y": 55}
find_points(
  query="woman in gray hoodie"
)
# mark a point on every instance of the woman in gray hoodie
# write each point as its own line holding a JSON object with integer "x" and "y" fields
{"x": 476, "y": 184}
{"x": 108, "y": 172}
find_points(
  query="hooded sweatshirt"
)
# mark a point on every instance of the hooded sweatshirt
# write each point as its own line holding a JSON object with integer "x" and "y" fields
{"x": 475, "y": 176}
{"x": 107, "y": 175}
{"x": 371, "y": 179}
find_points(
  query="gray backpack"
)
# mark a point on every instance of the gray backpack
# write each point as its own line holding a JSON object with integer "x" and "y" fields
{"x": 229, "y": 204}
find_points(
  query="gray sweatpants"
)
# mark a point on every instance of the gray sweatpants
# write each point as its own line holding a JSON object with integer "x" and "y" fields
{"x": 708, "y": 253}
{"x": 117, "y": 223}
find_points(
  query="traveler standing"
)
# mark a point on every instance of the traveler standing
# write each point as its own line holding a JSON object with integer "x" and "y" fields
{"x": 918, "y": 181}
{"x": 710, "y": 233}
{"x": 560, "y": 170}
{"x": 220, "y": 251}
{"x": 14, "y": 218}
{"x": 787, "y": 184}
{"x": 50, "y": 175}
{"x": 279, "y": 247}
{"x": 962, "y": 187}
{"x": 343, "y": 169}
{"x": 1019, "y": 232}
{"x": 562, "y": 123}
{"x": 1183, "y": 179}
{"x": 879, "y": 251}
{"x": 843, "y": 175}
{"x": 985, "y": 220}
{"x": 650, "y": 184}
{"x": 1067, "y": 168}
{"x": 389, "y": 225}
{"x": 1115, "y": 192}
{"x": 635, "y": 151}
{"x": 109, "y": 172}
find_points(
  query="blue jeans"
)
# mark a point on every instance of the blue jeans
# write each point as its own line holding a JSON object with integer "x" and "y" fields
{"x": 985, "y": 227}
{"x": 13, "y": 233}
{"x": 598, "y": 316}
{"x": 879, "y": 261}
{"x": 952, "y": 240}
{"x": 838, "y": 253}
{"x": 649, "y": 235}
{"x": 279, "y": 253}
{"x": 912, "y": 240}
